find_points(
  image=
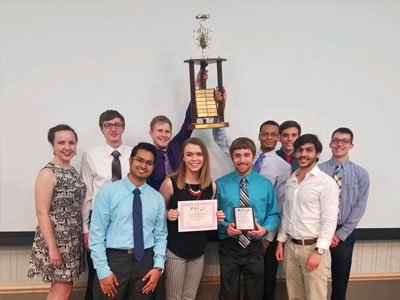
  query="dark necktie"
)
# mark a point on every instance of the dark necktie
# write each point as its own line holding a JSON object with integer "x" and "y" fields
{"x": 116, "y": 166}
{"x": 244, "y": 238}
{"x": 257, "y": 165}
{"x": 168, "y": 168}
{"x": 138, "y": 242}
{"x": 338, "y": 177}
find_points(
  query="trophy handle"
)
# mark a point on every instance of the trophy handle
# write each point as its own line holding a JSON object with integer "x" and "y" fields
{"x": 221, "y": 104}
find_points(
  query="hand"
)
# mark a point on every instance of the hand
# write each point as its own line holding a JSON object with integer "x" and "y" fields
{"x": 265, "y": 244}
{"x": 279, "y": 252}
{"x": 172, "y": 215}
{"x": 220, "y": 216}
{"x": 335, "y": 241}
{"x": 153, "y": 275}
{"x": 219, "y": 95}
{"x": 231, "y": 230}
{"x": 259, "y": 232}
{"x": 313, "y": 261}
{"x": 109, "y": 285}
{"x": 86, "y": 241}
{"x": 55, "y": 256}
{"x": 201, "y": 78}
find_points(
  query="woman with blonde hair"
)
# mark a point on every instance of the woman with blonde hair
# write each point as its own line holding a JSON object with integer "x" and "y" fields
{"x": 185, "y": 250}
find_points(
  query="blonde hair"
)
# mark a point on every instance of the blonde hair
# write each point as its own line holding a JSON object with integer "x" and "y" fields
{"x": 180, "y": 174}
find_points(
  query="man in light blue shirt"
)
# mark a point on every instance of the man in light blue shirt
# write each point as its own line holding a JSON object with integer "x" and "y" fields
{"x": 120, "y": 274}
{"x": 236, "y": 258}
{"x": 353, "y": 182}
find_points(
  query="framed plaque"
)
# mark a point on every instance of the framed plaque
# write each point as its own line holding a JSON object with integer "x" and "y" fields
{"x": 198, "y": 215}
{"x": 244, "y": 218}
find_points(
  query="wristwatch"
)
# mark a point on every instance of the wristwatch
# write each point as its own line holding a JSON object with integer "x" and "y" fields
{"x": 320, "y": 250}
{"x": 159, "y": 269}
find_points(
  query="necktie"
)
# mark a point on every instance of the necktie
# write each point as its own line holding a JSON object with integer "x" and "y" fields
{"x": 116, "y": 166}
{"x": 244, "y": 238}
{"x": 138, "y": 242}
{"x": 257, "y": 165}
{"x": 337, "y": 177}
{"x": 288, "y": 158}
{"x": 168, "y": 168}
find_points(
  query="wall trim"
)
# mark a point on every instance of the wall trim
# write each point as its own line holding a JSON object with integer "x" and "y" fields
{"x": 211, "y": 280}
{"x": 25, "y": 238}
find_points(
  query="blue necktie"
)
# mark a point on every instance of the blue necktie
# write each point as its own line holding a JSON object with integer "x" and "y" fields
{"x": 138, "y": 242}
{"x": 257, "y": 165}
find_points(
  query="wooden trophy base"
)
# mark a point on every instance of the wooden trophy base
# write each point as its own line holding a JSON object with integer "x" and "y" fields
{"x": 208, "y": 125}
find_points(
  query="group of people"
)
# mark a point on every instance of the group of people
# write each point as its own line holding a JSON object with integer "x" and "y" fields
{"x": 122, "y": 209}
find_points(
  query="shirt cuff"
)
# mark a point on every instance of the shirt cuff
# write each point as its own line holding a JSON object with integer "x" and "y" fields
{"x": 103, "y": 272}
{"x": 323, "y": 244}
{"x": 159, "y": 263}
{"x": 282, "y": 237}
{"x": 341, "y": 234}
{"x": 270, "y": 236}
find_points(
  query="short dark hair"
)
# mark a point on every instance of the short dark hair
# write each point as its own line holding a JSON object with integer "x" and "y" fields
{"x": 160, "y": 119}
{"x": 344, "y": 130}
{"x": 269, "y": 122}
{"x": 289, "y": 124}
{"x": 308, "y": 139}
{"x": 52, "y": 132}
{"x": 144, "y": 146}
{"x": 242, "y": 143}
{"x": 109, "y": 115}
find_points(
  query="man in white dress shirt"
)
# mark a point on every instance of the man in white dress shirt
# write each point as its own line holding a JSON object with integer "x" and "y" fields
{"x": 308, "y": 223}
{"x": 101, "y": 165}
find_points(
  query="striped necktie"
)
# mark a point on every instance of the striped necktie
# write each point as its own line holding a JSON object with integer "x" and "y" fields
{"x": 116, "y": 166}
{"x": 338, "y": 177}
{"x": 244, "y": 238}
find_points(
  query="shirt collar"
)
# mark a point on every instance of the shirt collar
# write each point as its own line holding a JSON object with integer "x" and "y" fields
{"x": 110, "y": 149}
{"x": 333, "y": 163}
{"x": 237, "y": 177}
{"x": 314, "y": 172}
{"x": 130, "y": 186}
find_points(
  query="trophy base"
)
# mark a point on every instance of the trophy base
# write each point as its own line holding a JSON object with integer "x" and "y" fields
{"x": 208, "y": 125}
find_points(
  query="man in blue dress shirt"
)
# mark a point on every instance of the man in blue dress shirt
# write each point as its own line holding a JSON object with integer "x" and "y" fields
{"x": 120, "y": 274}
{"x": 353, "y": 184}
{"x": 236, "y": 259}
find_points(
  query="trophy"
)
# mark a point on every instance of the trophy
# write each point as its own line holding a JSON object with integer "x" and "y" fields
{"x": 206, "y": 111}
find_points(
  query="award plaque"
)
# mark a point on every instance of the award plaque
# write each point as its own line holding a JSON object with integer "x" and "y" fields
{"x": 206, "y": 111}
{"x": 244, "y": 218}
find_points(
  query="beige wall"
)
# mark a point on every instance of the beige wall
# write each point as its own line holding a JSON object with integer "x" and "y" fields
{"x": 372, "y": 260}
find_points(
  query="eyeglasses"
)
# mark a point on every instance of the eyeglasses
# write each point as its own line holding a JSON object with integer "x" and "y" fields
{"x": 139, "y": 160}
{"x": 344, "y": 142}
{"x": 115, "y": 125}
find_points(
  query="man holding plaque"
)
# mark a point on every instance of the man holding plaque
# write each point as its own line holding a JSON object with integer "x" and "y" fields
{"x": 268, "y": 164}
{"x": 251, "y": 211}
{"x": 309, "y": 219}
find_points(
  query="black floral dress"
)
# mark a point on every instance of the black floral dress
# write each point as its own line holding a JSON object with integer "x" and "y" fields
{"x": 65, "y": 214}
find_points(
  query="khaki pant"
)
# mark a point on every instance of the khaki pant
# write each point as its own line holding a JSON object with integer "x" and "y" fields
{"x": 301, "y": 283}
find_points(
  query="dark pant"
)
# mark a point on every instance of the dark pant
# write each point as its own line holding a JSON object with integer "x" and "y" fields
{"x": 129, "y": 273}
{"x": 91, "y": 275}
{"x": 234, "y": 260}
{"x": 270, "y": 270}
{"x": 341, "y": 265}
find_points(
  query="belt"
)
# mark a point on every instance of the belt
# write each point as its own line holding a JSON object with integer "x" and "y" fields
{"x": 127, "y": 251}
{"x": 303, "y": 242}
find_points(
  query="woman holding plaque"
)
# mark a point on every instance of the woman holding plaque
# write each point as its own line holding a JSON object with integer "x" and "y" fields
{"x": 57, "y": 251}
{"x": 185, "y": 250}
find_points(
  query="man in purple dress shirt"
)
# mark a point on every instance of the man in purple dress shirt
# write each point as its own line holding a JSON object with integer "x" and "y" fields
{"x": 169, "y": 150}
